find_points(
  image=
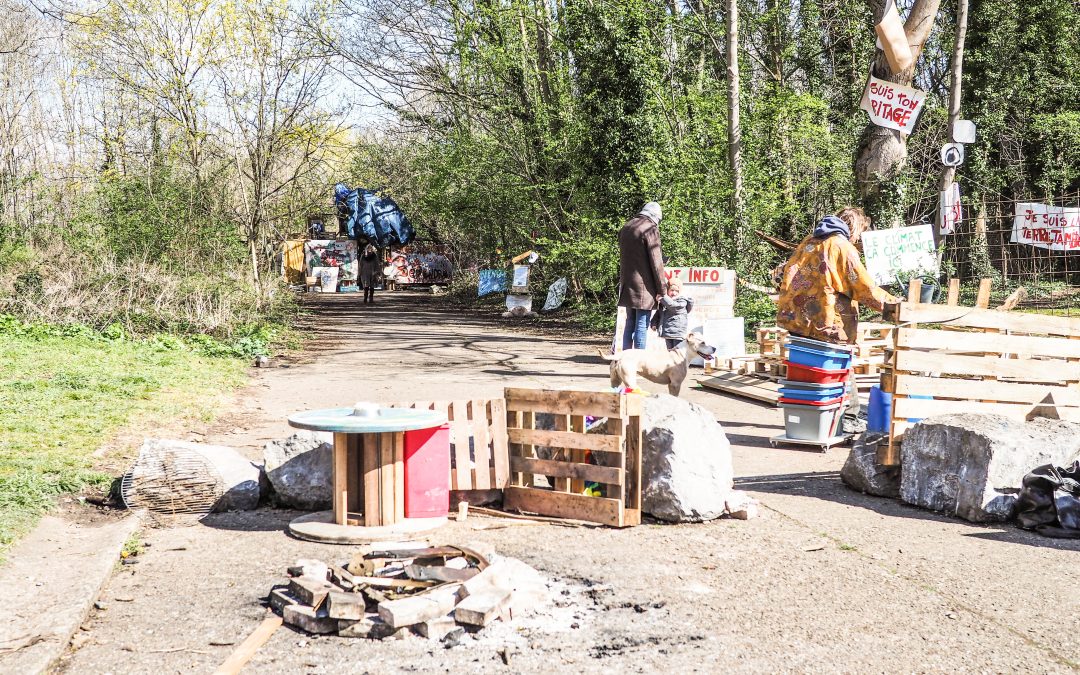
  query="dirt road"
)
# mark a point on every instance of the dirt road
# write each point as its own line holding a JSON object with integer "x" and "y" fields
{"x": 827, "y": 580}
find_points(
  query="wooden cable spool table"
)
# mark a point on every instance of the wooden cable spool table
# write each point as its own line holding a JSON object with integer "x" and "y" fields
{"x": 368, "y": 474}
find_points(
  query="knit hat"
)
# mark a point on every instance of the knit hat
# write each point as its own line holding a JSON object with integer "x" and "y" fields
{"x": 652, "y": 211}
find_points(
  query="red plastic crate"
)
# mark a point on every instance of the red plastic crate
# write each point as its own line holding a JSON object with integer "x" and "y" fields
{"x": 800, "y": 373}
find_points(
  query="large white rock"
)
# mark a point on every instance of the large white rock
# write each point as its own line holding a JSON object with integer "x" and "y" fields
{"x": 971, "y": 465}
{"x": 686, "y": 470}
{"x": 300, "y": 470}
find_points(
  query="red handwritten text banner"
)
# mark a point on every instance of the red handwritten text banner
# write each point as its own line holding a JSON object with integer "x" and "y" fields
{"x": 1055, "y": 228}
{"x": 892, "y": 105}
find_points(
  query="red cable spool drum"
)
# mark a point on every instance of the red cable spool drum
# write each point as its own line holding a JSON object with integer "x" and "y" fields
{"x": 427, "y": 472}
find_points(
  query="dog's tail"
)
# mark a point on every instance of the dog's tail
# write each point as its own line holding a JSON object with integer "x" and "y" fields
{"x": 606, "y": 357}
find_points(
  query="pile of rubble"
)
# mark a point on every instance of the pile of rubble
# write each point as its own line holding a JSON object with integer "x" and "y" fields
{"x": 390, "y": 591}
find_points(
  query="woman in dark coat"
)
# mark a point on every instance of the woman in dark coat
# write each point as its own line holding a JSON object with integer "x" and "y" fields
{"x": 369, "y": 269}
{"x": 641, "y": 272}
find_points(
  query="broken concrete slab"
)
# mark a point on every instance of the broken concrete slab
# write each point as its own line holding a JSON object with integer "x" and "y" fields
{"x": 300, "y": 469}
{"x": 862, "y": 472}
{"x": 686, "y": 473}
{"x": 970, "y": 465}
{"x": 38, "y": 574}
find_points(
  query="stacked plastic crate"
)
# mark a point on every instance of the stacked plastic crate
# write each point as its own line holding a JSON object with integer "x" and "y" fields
{"x": 813, "y": 395}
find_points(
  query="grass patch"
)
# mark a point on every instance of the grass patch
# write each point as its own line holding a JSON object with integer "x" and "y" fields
{"x": 63, "y": 396}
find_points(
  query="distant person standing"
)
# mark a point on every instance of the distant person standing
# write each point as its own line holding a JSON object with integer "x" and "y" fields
{"x": 369, "y": 269}
{"x": 641, "y": 273}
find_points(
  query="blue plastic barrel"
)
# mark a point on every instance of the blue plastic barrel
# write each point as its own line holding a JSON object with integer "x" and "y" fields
{"x": 879, "y": 411}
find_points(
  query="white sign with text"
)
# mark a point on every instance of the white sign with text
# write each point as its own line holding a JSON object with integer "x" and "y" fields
{"x": 899, "y": 249}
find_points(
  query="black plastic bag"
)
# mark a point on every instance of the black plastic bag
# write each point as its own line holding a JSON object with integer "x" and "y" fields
{"x": 1049, "y": 501}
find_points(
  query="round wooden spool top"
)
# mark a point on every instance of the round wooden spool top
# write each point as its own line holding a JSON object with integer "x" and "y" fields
{"x": 344, "y": 421}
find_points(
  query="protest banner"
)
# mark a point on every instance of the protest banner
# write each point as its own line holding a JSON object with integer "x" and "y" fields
{"x": 892, "y": 105}
{"x": 899, "y": 249}
{"x": 1055, "y": 228}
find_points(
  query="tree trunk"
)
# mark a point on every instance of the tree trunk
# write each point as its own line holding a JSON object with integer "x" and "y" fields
{"x": 882, "y": 153}
{"x": 949, "y": 174}
{"x": 734, "y": 130}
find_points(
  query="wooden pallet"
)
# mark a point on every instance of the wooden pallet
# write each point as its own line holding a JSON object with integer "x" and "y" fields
{"x": 744, "y": 386}
{"x": 612, "y": 458}
{"x": 478, "y": 447}
{"x": 989, "y": 362}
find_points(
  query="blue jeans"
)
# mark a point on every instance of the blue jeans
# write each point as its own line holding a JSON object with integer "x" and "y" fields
{"x": 636, "y": 329}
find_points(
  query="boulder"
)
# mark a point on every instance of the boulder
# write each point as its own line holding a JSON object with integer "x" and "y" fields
{"x": 686, "y": 472}
{"x": 863, "y": 473}
{"x": 300, "y": 470}
{"x": 971, "y": 465}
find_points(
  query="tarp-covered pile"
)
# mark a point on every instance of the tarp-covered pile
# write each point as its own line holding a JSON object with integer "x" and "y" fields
{"x": 367, "y": 214}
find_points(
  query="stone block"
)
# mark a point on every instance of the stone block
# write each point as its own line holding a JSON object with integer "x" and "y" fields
{"x": 687, "y": 472}
{"x": 310, "y": 591}
{"x": 300, "y": 469}
{"x": 436, "y": 629}
{"x": 342, "y": 605}
{"x": 371, "y": 626}
{"x": 862, "y": 472}
{"x": 971, "y": 465}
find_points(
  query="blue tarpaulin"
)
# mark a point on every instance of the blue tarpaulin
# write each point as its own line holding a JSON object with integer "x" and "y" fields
{"x": 372, "y": 216}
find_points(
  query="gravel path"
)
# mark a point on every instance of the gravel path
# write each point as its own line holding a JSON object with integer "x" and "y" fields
{"x": 827, "y": 580}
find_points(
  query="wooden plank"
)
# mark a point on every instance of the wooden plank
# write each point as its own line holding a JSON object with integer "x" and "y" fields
{"x": 595, "y": 403}
{"x": 500, "y": 455}
{"x": 341, "y": 477}
{"x": 914, "y": 291}
{"x": 251, "y": 644}
{"x": 513, "y": 421}
{"x": 562, "y": 425}
{"x": 564, "y": 505}
{"x": 954, "y": 293}
{"x": 459, "y": 430}
{"x": 399, "y": 476}
{"x": 577, "y": 455}
{"x": 920, "y": 408}
{"x": 982, "y": 299}
{"x": 386, "y": 477}
{"x": 744, "y": 386}
{"x": 990, "y": 343}
{"x": 482, "y": 474}
{"x": 632, "y": 493}
{"x": 564, "y": 439}
{"x": 586, "y": 472}
{"x": 1014, "y": 322}
{"x": 372, "y": 514}
{"x": 354, "y": 480}
{"x": 528, "y": 421}
{"x": 1024, "y": 370}
{"x": 991, "y": 390}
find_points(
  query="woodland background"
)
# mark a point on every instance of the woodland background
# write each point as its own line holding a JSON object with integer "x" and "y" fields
{"x": 154, "y": 153}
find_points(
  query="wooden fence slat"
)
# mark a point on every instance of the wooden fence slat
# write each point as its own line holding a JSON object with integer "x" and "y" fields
{"x": 954, "y": 293}
{"x": 594, "y": 403}
{"x": 1025, "y": 370}
{"x": 459, "y": 428}
{"x": 499, "y": 452}
{"x": 564, "y": 505}
{"x": 968, "y": 317}
{"x": 479, "y": 424}
{"x": 609, "y": 475}
{"x": 982, "y": 299}
{"x": 565, "y": 439}
{"x": 990, "y": 390}
{"x": 991, "y": 343}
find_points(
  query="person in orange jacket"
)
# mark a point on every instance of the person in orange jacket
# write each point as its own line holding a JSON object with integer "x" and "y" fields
{"x": 822, "y": 280}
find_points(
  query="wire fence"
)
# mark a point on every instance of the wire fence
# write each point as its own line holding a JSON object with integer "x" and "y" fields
{"x": 1026, "y": 243}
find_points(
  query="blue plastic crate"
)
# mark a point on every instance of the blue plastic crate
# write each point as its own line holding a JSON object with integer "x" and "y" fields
{"x": 827, "y": 359}
{"x": 807, "y": 395}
